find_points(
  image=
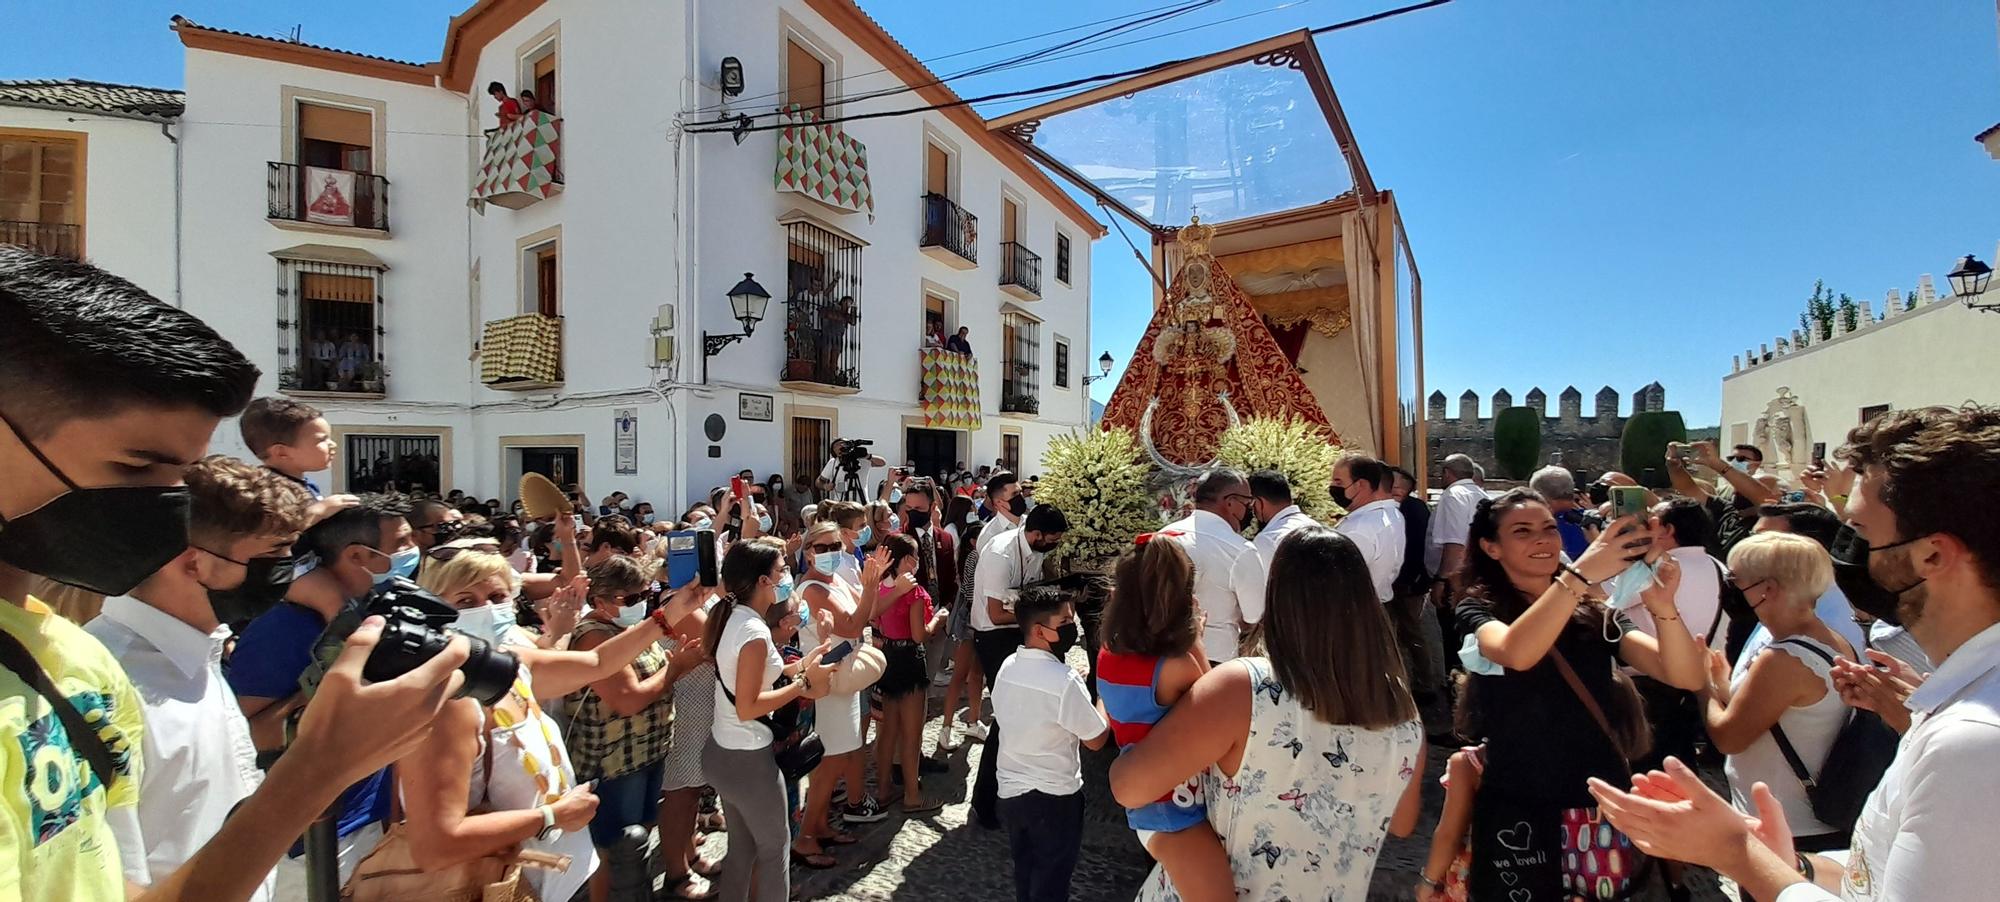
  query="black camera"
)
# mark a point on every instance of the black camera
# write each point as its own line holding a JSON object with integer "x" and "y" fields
{"x": 852, "y": 451}
{"x": 413, "y": 634}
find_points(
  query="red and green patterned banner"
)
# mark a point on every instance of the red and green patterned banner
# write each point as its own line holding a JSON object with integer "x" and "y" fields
{"x": 821, "y": 162}
{"x": 523, "y": 163}
{"x": 950, "y": 389}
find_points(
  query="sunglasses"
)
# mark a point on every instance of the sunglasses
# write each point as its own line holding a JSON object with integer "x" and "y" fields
{"x": 823, "y": 547}
{"x": 447, "y": 553}
{"x": 1739, "y": 459}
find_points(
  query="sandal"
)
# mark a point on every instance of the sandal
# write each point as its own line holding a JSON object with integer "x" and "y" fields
{"x": 927, "y": 806}
{"x": 689, "y": 886}
{"x": 838, "y": 838}
{"x": 707, "y": 867}
{"x": 818, "y": 862}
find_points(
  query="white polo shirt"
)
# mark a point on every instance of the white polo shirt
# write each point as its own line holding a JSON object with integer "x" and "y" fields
{"x": 1213, "y": 545}
{"x": 1699, "y": 598}
{"x": 1451, "y": 523}
{"x": 1377, "y": 529}
{"x": 1252, "y": 571}
{"x": 199, "y": 761}
{"x": 1927, "y": 830}
{"x": 1043, "y": 711}
{"x": 1005, "y": 564}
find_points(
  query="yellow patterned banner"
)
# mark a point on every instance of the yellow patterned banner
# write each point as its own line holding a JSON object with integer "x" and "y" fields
{"x": 950, "y": 389}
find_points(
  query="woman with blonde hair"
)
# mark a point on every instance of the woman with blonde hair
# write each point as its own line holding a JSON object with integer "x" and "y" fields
{"x": 490, "y": 779}
{"x": 1787, "y": 689}
{"x": 832, "y": 599}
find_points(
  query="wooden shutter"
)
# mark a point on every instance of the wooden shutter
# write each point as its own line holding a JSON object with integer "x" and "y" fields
{"x": 937, "y": 170}
{"x": 354, "y": 128}
{"x": 545, "y": 83}
{"x": 546, "y": 301}
{"x": 805, "y": 77}
{"x": 1010, "y": 220}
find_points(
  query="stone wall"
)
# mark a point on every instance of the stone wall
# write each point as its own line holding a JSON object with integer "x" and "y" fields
{"x": 1588, "y": 445}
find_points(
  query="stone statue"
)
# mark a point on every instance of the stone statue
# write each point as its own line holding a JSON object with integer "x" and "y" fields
{"x": 1789, "y": 442}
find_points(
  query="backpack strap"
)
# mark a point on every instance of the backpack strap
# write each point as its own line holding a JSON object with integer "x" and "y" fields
{"x": 1785, "y": 748}
{"x": 82, "y": 736}
{"x": 1722, "y": 585}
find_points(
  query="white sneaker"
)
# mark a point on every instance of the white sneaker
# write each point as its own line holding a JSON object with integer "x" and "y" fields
{"x": 947, "y": 742}
{"x": 976, "y": 731}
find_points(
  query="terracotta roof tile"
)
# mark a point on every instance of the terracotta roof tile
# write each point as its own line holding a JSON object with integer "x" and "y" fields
{"x": 94, "y": 97}
{"x": 180, "y": 22}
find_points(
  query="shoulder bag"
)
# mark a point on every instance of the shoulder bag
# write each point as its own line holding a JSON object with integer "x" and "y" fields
{"x": 798, "y": 751}
{"x": 1860, "y": 755}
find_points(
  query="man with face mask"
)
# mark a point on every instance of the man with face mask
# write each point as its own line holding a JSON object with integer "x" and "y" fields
{"x": 1011, "y": 560}
{"x": 1271, "y": 504}
{"x": 1374, "y": 520}
{"x": 92, "y": 498}
{"x": 168, "y": 634}
{"x": 1213, "y": 536}
{"x": 1921, "y": 548}
{"x": 358, "y": 549}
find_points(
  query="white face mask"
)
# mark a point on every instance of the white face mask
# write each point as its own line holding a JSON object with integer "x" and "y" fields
{"x": 828, "y": 561}
{"x": 631, "y": 614}
{"x": 489, "y": 622}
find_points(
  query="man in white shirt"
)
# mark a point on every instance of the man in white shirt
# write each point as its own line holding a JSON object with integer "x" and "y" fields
{"x": 836, "y": 476}
{"x": 199, "y": 758}
{"x": 1374, "y": 521}
{"x": 1271, "y": 501}
{"x": 1043, "y": 711}
{"x": 1011, "y": 560}
{"x": 1928, "y": 555}
{"x": 1212, "y": 534}
{"x": 1451, "y": 524}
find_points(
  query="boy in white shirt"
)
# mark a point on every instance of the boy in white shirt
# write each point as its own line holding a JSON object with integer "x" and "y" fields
{"x": 1043, "y": 711}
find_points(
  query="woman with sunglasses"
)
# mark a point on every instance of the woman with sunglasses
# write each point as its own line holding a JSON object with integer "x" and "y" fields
{"x": 837, "y": 718}
{"x": 1787, "y": 687}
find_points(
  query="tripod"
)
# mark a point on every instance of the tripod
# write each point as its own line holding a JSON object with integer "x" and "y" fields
{"x": 850, "y": 488}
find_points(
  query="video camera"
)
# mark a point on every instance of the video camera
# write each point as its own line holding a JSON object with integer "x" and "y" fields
{"x": 413, "y": 634}
{"x": 852, "y": 451}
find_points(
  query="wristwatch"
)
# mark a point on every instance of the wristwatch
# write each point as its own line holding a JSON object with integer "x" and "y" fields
{"x": 549, "y": 830}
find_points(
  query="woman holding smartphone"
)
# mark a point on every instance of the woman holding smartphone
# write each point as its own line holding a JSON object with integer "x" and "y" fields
{"x": 837, "y": 718}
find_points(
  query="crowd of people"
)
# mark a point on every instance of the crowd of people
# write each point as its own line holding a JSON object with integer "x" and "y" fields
{"x": 1272, "y": 685}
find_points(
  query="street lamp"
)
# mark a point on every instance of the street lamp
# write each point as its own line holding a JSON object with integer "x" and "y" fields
{"x": 1103, "y": 369}
{"x": 1968, "y": 281}
{"x": 747, "y": 302}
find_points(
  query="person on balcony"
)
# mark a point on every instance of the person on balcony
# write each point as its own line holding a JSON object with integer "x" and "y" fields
{"x": 354, "y": 354}
{"x": 530, "y": 105}
{"x": 322, "y": 353}
{"x": 960, "y": 342}
{"x": 510, "y": 109}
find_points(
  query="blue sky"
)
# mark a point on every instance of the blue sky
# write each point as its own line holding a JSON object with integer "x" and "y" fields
{"x": 1595, "y": 192}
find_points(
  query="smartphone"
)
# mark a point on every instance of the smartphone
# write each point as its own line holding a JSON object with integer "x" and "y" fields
{"x": 737, "y": 488}
{"x": 683, "y": 556}
{"x": 837, "y": 653}
{"x": 704, "y": 557}
{"x": 1627, "y": 501}
{"x": 1682, "y": 451}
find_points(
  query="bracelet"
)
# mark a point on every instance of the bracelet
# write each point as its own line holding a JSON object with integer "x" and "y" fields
{"x": 1425, "y": 880}
{"x": 1572, "y": 571}
{"x": 805, "y": 683}
{"x": 1805, "y": 866}
{"x": 1662, "y": 617}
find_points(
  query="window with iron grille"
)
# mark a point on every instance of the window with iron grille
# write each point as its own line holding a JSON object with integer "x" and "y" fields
{"x": 391, "y": 463}
{"x": 41, "y": 188}
{"x": 1062, "y": 258}
{"x": 1062, "y": 363}
{"x": 1021, "y": 382}
{"x": 822, "y": 307}
{"x": 810, "y": 438}
{"x": 330, "y": 335}
{"x": 1010, "y": 451}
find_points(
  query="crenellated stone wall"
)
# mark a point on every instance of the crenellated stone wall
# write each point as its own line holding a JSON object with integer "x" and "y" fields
{"x": 1588, "y": 445}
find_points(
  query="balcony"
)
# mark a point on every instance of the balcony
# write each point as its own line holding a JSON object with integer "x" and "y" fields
{"x": 54, "y": 239}
{"x": 1020, "y": 390}
{"x": 1020, "y": 271}
{"x": 951, "y": 235}
{"x": 948, "y": 389}
{"x": 522, "y": 164}
{"x": 819, "y": 161}
{"x": 822, "y": 345}
{"x": 522, "y": 353}
{"x": 320, "y": 199}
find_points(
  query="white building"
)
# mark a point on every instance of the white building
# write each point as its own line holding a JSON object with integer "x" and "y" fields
{"x": 487, "y": 302}
{"x": 1797, "y": 396}
{"x": 87, "y": 169}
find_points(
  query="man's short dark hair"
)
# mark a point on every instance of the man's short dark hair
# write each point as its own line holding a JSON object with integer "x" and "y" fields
{"x": 1688, "y": 520}
{"x": 1362, "y": 468}
{"x": 1045, "y": 518}
{"x": 230, "y": 500}
{"x": 274, "y": 421}
{"x": 1216, "y": 483}
{"x": 496, "y": 86}
{"x": 70, "y": 331}
{"x": 1809, "y": 520}
{"x": 619, "y": 536}
{"x": 357, "y": 525}
{"x": 1000, "y": 480}
{"x": 1405, "y": 476}
{"x": 1272, "y": 486}
{"x": 422, "y": 512}
{"x": 1943, "y": 469}
{"x": 1039, "y": 603}
{"x": 1752, "y": 451}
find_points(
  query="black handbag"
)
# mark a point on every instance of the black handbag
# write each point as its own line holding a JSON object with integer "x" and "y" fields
{"x": 1861, "y": 754}
{"x": 797, "y": 751}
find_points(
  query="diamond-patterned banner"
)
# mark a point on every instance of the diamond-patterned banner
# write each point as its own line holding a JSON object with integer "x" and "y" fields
{"x": 526, "y": 348}
{"x": 522, "y": 162}
{"x": 820, "y": 161}
{"x": 950, "y": 387}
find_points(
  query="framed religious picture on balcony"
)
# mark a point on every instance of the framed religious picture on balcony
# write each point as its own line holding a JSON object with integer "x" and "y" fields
{"x": 330, "y": 194}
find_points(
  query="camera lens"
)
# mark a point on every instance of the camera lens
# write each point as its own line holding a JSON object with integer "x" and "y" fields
{"x": 489, "y": 672}
{"x": 408, "y": 641}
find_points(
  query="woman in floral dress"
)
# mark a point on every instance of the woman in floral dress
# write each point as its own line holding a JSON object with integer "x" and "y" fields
{"x": 1306, "y": 757}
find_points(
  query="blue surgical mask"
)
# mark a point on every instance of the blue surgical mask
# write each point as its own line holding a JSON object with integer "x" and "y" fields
{"x": 785, "y": 589}
{"x": 1475, "y": 662}
{"x": 401, "y": 564}
{"x": 895, "y": 523}
{"x": 764, "y": 522}
{"x": 647, "y": 519}
{"x": 488, "y": 622}
{"x": 1742, "y": 466}
{"x": 895, "y": 496}
{"x": 1627, "y": 588}
{"x": 828, "y": 561}
{"x": 631, "y": 614}
{"x": 866, "y": 533}
{"x": 700, "y": 523}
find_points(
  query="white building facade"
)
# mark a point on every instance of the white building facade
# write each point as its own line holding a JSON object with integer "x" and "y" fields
{"x": 1797, "y": 397}
{"x": 467, "y": 303}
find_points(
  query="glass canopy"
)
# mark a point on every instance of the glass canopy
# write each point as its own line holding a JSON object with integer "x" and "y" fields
{"x": 1234, "y": 135}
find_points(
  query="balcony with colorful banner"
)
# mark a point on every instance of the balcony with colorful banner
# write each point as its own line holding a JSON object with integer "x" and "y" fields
{"x": 522, "y": 164}
{"x": 823, "y": 163}
{"x": 949, "y": 389}
{"x": 317, "y": 196}
{"x": 522, "y": 353}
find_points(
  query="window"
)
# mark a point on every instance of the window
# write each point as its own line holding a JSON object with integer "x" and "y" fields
{"x": 1062, "y": 258}
{"x": 1062, "y": 363}
{"x": 336, "y": 309}
{"x": 822, "y": 307}
{"x": 539, "y": 67}
{"x": 805, "y": 76}
{"x": 333, "y": 137}
{"x": 541, "y": 279}
{"x": 41, "y": 194}
{"x": 1010, "y": 220}
{"x": 392, "y": 463}
{"x": 810, "y": 438}
{"x": 1020, "y": 384}
{"x": 937, "y": 317}
{"x": 1869, "y": 413}
{"x": 937, "y": 170}
{"x": 1010, "y": 451}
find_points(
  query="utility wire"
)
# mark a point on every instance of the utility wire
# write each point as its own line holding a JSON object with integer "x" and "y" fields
{"x": 742, "y": 125}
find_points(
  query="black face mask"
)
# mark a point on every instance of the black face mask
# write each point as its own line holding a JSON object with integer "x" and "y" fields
{"x": 1018, "y": 506}
{"x": 1850, "y": 573}
{"x": 1340, "y": 496}
{"x": 1064, "y": 641}
{"x": 105, "y": 540}
{"x": 918, "y": 519}
{"x": 265, "y": 582}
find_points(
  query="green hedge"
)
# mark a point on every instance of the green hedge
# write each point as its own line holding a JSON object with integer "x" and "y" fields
{"x": 1517, "y": 441}
{"x": 1642, "y": 451}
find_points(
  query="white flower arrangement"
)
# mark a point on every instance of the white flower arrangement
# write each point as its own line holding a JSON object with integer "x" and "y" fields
{"x": 1099, "y": 479}
{"x": 1290, "y": 446}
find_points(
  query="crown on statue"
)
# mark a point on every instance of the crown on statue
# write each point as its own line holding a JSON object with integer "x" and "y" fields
{"x": 1194, "y": 237}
